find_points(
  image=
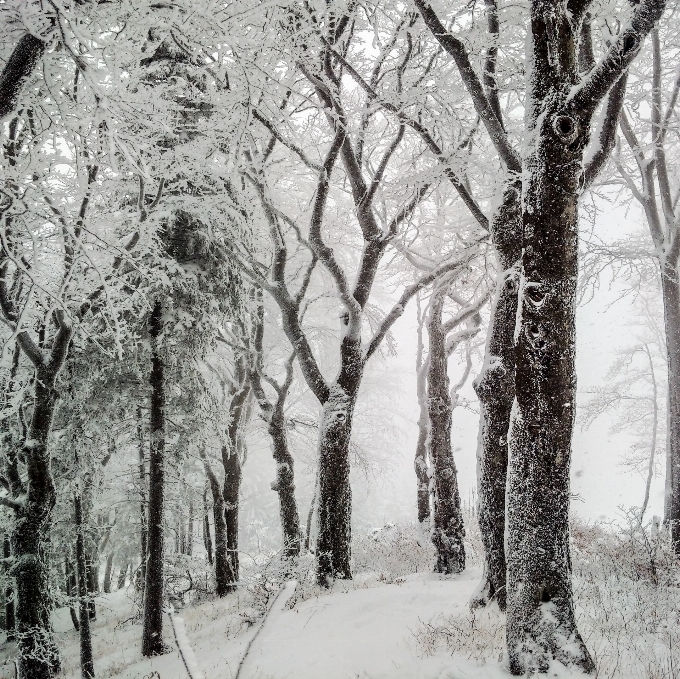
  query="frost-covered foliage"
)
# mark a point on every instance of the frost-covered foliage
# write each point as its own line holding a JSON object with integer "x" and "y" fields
{"x": 627, "y": 600}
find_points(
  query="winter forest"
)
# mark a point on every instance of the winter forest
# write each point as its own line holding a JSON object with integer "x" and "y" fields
{"x": 340, "y": 338}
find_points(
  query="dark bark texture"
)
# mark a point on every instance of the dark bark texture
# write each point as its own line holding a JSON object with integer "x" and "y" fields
{"x": 152, "y": 634}
{"x": 18, "y": 68}
{"x": 495, "y": 387}
{"x": 448, "y": 531}
{"x": 223, "y": 576}
{"x": 86, "y": 657}
{"x": 143, "y": 528}
{"x": 10, "y": 620}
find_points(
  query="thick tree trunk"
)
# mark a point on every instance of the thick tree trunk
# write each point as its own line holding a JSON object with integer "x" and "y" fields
{"x": 152, "y": 635}
{"x": 86, "y": 658}
{"x": 18, "y": 68}
{"x": 448, "y": 531}
{"x": 670, "y": 286}
{"x": 143, "y": 530}
{"x": 495, "y": 387}
{"x": 540, "y": 613}
{"x": 10, "y": 620}
{"x": 334, "y": 529}
{"x": 38, "y": 656}
{"x": 108, "y": 572}
{"x": 285, "y": 485}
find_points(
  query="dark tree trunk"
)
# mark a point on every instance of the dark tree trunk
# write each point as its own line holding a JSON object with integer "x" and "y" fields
{"x": 540, "y": 614}
{"x": 420, "y": 462}
{"x": 108, "y": 573}
{"x": 448, "y": 531}
{"x": 190, "y": 529}
{"x": 207, "y": 540}
{"x": 310, "y": 516}
{"x": 285, "y": 485}
{"x": 71, "y": 590}
{"x": 18, "y": 68}
{"x": 38, "y": 656}
{"x": 334, "y": 529}
{"x": 10, "y": 621}
{"x": 230, "y": 493}
{"x": 92, "y": 575}
{"x": 224, "y": 582}
{"x": 122, "y": 576}
{"x": 495, "y": 387}
{"x": 670, "y": 286}
{"x": 86, "y": 658}
{"x": 143, "y": 530}
{"x": 152, "y": 634}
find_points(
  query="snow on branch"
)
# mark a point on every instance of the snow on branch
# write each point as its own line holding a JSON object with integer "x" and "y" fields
{"x": 592, "y": 90}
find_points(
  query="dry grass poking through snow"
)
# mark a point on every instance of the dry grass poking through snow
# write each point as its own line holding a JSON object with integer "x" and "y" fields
{"x": 627, "y": 589}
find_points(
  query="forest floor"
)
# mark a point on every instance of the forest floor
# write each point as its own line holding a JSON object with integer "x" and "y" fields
{"x": 394, "y": 620}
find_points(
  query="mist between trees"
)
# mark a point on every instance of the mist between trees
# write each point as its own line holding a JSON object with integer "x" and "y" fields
{"x": 214, "y": 216}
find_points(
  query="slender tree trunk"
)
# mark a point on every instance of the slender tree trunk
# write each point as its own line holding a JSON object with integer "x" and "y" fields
{"x": 122, "y": 577}
{"x": 448, "y": 530}
{"x": 10, "y": 620}
{"x": 230, "y": 493}
{"x": 18, "y": 68}
{"x": 207, "y": 540}
{"x": 108, "y": 573}
{"x": 143, "y": 532}
{"x": 540, "y": 614}
{"x": 38, "y": 656}
{"x": 495, "y": 388}
{"x": 310, "y": 514}
{"x": 420, "y": 462}
{"x": 285, "y": 485}
{"x": 86, "y": 658}
{"x": 71, "y": 589}
{"x": 670, "y": 287}
{"x": 334, "y": 529}
{"x": 190, "y": 528}
{"x": 152, "y": 635}
{"x": 223, "y": 575}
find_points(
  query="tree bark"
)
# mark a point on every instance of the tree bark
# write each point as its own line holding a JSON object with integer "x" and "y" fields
{"x": 108, "y": 572}
{"x": 38, "y": 656}
{"x": 86, "y": 658}
{"x": 420, "y": 462}
{"x": 152, "y": 634}
{"x": 207, "y": 540}
{"x": 230, "y": 493}
{"x": 448, "y": 531}
{"x": 334, "y": 529}
{"x": 122, "y": 576}
{"x": 10, "y": 620}
{"x": 223, "y": 576}
{"x": 670, "y": 287}
{"x": 495, "y": 388}
{"x": 71, "y": 589}
{"x": 18, "y": 68}
{"x": 190, "y": 528}
{"x": 540, "y": 613}
{"x": 143, "y": 530}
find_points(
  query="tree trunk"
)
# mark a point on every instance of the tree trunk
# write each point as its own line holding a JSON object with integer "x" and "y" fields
{"x": 143, "y": 532}
{"x": 420, "y": 461}
{"x": 18, "y": 68}
{"x": 71, "y": 589}
{"x": 108, "y": 573}
{"x": 38, "y": 656}
{"x": 495, "y": 388}
{"x": 285, "y": 485}
{"x": 122, "y": 576}
{"x": 540, "y": 613}
{"x": 334, "y": 529}
{"x": 10, "y": 620}
{"x": 670, "y": 287}
{"x": 230, "y": 493}
{"x": 448, "y": 530}
{"x": 190, "y": 528}
{"x": 223, "y": 576}
{"x": 152, "y": 635}
{"x": 207, "y": 540}
{"x": 86, "y": 658}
